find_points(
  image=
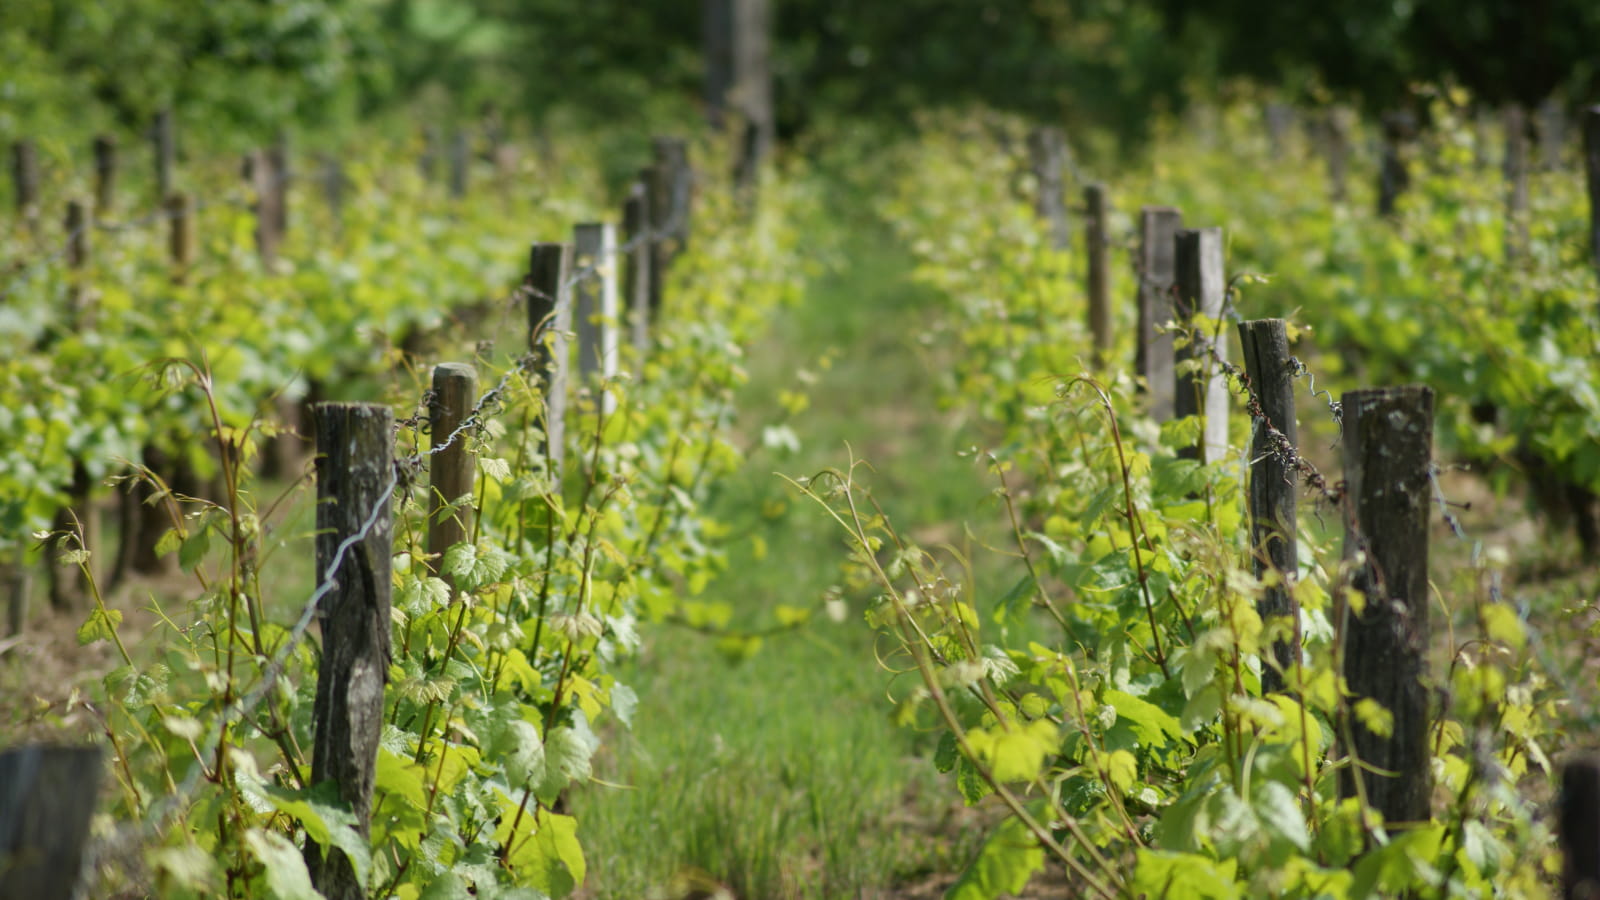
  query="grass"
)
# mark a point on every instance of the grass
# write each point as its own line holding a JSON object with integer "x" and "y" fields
{"x": 781, "y": 776}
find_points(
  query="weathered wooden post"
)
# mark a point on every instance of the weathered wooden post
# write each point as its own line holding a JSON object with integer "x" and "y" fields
{"x": 47, "y": 796}
{"x": 549, "y": 321}
{"x": 1393, "y": 175}
{"x": 1515, "y": 172}
{"x": 1047, "y": 151}
{"x": 333, "y": 188}
{"x": 354, "y": 479}
{"x": 16, "y": 580}
{"x": 164, "y": 143}
{"x": 1388, "y": 449}
{"x": 451, "y": 470}
{"x": 259, "y": 173}
{"x": 1336, "y": 150}
{"x": 1097, "y": 242}
{"x": 430, "y": 153}
{"x": 596, "y": 307}
{"x": 737, "y": 45}
{"x": 180, "y": 234}
{"x": 281, "y": 173}
{"x": 670, "y": 199}
{"x": 78, "y": 251}
{"x": 105, "y": 175}
{"x": 1264, "y": 343}
{"x": 1279, "y": 118}
{"x": 458, "y": 164}
{"x": 1552, "y": 124}
{"x": 25, "y": 179}
{"x": 1158, "y": 234}
{"x": 636, "y": 273}
{"x": 1202, "y": 290}
{"x": 1578, "y": 825}
{"x": 1591, "y": 165}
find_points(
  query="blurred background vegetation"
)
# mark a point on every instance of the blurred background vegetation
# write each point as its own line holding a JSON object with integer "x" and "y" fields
{"x": 237, "y": 69}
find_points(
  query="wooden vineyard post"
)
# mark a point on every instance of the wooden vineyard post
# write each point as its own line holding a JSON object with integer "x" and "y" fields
{"x": 180, "y": 234}
{"x": 430, "y": 153}
{"x": 105, "y": 175}
{"x": 25, "y": 179}
{"x": 1047, "y": 151}
{"x": 1516, "y": 181}
{"x": 333, "y": 188}
{"x": 549, "y": 320}
{"x": 1264, "y": 343}
{"x": 458, "y": 164}
{"x": 1552, "y": 125}
{"x": 670, "y": 190}
{"x": 596, "y": 307}
{"x": 262, "y": 178}
{"x": 450, "y": 470}
{"x": 69, "y": 583}
{"x": 1097, "y": 241}
{"x": 1578, "y": 826}
{"x": 1393, "y": 175}
{"x": 164, "y": 144}
{"x": 47, "y": 796}
{"x": 1388, "y": 451}
{"x": 636, "y": 272}
{"x": 1158, "y": 233}
{"x": 278, "y": 168}
{"x": 78, "y": 250}
{"x": 1336, "y": 148}
{"x": 16, "y": 580}
{"x": 1197, "y": 254}
{"x": 1591, "y": 165}
{"x": 355, "y": 477}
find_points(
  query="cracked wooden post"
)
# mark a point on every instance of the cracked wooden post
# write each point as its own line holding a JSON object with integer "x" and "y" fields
{"x": 450, "y": 471}
{"x": 355, "y": 478}
{"x": 636, "y": 274}
{"x": 595, "y": 308}
{"x": 1153, "y": 357}
{"x": 47, "y": 797}
{"x": 1264, "y": 343}
{"x": 1202, "y": 290}
{"x": 549, "y": 320}
{"x": 1388, "y": 452}
{"x": 105, "y": 175}
{"x": 1047, "y": 151}
{"x": 1097, "y": 241}
{"x": 1578, "y": 826}
{"x": 1591, "y": 165}
{"x": 164, "y": 143}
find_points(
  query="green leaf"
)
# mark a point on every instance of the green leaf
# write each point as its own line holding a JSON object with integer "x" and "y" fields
{"x": 287, "y": 878}
{"x": 1003, "y": 866}
{"x": 327, "y": 820}
{"x": 1183, "y": 876}
{"x": 447, "y": 886}
{"x": 948, "y": 753}
{"x": 193, "y": 550}
{"x": 1151, "y": 724}
{"x": 1279, "y": 810}
{"x": 100, "y": 626}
